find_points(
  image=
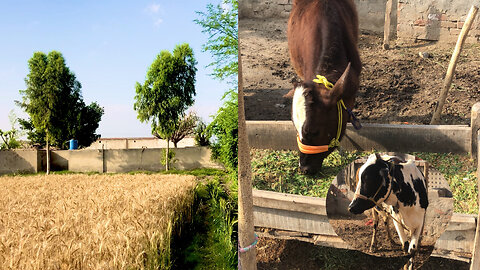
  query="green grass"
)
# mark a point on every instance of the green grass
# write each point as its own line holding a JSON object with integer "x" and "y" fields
{"x": 278, "y": 171}
{"x": 460, "y": 172}
{"x": 213, "y": 237}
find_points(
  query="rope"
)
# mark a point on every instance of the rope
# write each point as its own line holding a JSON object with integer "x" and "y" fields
{"x": 322, "y": 80}
{"x": 247, "y": 248}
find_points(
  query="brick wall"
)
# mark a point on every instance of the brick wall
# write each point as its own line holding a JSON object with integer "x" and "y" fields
{"x": 440, "y": 20}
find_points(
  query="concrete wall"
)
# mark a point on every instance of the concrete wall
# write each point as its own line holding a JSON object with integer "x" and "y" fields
{"x": 393, "y": 138}
{"x": 439, "y": 20}
{"x": 137, "y": 143}
{"x": 110, "y": 161}
{"x": 371, "y": 12}
{"x": 19, "y": 161}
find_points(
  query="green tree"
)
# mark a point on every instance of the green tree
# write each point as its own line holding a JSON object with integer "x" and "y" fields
{"x": 55, "y": 105}
{"x": 167, "y": 92}
{"x": 221, "y": 24}
{"x": 225, "y": 128}
{"x": 202, "y": 134}
{"x": 10, "y": 137}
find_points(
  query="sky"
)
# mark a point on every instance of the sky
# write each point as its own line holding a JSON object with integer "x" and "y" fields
{"x": 109, "y": 45}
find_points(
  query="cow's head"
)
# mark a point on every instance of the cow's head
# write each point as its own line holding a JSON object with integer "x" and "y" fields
{"x": 316, "y": 119}
{"x": 373, "y": 184}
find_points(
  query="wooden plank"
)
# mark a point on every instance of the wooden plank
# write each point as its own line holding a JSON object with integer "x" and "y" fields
{"x": 476, "y": 246}
{"x": 307, "y": 215}
{"x": 291, "y": 202}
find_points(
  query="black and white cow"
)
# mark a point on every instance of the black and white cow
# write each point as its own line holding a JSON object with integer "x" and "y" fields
{"x": 401, "y": 186}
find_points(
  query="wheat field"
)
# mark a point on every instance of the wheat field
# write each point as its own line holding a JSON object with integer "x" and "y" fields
{"x": 89, "y": 221}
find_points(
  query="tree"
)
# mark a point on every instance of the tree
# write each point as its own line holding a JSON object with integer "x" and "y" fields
{"x": 221, "y": 24}
{"x": 225, "y": 129}
{"x": 184, "y": 127}
{"x": 55, "y": 105}
{"x": 10, "y": 137}
{"x": 202, "y": 134}
{"x": 167, "y": 92}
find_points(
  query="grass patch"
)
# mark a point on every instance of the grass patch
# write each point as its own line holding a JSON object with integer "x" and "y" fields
{"x": 278, "y": 171}
{"x": 460, "y": 171}
{"x": 213, "y": 233}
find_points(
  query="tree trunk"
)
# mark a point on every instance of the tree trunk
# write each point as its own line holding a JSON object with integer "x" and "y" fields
{"x": 48, "y": 154}
{"x": 166, "y": 155}
{"x": 175, "y": 144}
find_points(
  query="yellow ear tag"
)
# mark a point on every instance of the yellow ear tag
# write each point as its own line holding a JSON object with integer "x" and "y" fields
{"x": 322, "y": 80}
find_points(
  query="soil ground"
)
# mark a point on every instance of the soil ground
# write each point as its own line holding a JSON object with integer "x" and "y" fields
{"x": 396, "y": 86}
{"x": 292, "y": 255}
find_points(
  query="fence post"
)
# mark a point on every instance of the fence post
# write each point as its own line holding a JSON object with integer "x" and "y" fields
{"x": 475, "y": 263}
{"x": 475, "y": 125}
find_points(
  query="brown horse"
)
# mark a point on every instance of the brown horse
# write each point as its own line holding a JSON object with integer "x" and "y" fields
{"x": 322, "y": 40}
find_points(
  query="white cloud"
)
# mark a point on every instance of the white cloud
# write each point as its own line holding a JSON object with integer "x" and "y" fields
{"x": 158, "y": 22}
{"x": 153, "y": 8}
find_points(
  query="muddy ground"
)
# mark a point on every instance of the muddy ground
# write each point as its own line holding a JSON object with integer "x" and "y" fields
{"x": 396, "y": 86}
{"x": 297, "y": 255}
{"x": 357, "y": 232}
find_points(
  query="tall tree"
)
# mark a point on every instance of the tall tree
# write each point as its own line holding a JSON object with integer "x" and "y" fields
{"x": 167, "y": 92}
{"x": 221, "y": 24}
{"x": 55, "y": 105}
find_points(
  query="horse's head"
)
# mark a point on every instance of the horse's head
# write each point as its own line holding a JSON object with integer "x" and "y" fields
{"x": 320, "y": 118}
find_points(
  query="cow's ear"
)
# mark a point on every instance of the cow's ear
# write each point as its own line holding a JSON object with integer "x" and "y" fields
{"x": 347, "y": 85}
{"x": 291, "y": 92}
{"x": 377, "y": 155}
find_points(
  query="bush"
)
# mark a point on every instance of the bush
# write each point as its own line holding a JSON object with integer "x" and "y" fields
{"x": 224, "y": 128}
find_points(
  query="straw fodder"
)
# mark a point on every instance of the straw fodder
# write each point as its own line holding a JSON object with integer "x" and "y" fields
{"x": 90, "y": 222}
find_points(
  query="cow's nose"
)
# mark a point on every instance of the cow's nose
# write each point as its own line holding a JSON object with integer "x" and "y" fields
{"x": 308, "y": 169}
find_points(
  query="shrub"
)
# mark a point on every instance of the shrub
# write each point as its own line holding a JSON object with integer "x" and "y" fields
{"x": 224, "y": 128}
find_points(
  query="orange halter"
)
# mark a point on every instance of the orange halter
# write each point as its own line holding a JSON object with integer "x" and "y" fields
{"x": 317, "y": 149}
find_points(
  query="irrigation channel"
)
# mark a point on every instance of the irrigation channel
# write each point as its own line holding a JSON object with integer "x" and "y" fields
{"x": 288, "y": 216}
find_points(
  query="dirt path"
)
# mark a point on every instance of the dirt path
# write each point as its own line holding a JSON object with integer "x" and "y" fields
{"x": 396, "y": 86}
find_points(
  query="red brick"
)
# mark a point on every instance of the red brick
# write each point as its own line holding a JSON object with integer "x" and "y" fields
{"x": 460, "y": 24}
{"x": 419, "y": 22}
{"x": 443, "y": 17}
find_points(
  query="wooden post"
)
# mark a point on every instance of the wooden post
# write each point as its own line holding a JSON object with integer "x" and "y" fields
{"x": 247, "y": 260}
{"x": 453, "y": 64}
{"x": 475, "y": 126}
{"x": 476, "y": 244}
{"x": 386, "y": 26}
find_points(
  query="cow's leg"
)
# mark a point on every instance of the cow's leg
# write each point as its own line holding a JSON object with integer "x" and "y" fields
{"x": 375, "y": 224}
{"x": 387, "y": 227}
{"x": 400, "y": 231}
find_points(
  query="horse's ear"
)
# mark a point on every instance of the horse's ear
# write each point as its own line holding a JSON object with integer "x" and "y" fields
{"x": 347, "y": 85}
{"x": 291, "y": 92}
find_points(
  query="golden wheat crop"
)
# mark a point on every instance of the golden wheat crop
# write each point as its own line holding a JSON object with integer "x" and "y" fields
{"x": 88, "y": 222}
